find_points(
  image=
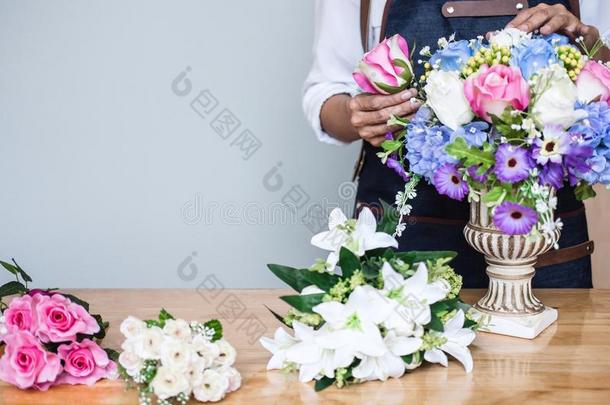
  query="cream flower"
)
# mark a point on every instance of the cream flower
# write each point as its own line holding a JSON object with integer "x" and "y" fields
{"x": 178, "y": 329}
{"x": 281, "y": 342}
{"x": 148, "y": 344}
{"x": 233, "y": 376}
{"x": 445, "y": 91}
{"x": 455, "y": 340}
{"x": 132, "y": 327}
{"x": 213, "y": 386}
{"x": 169, "y": 383}
{"x": 131, "y": 362}
{"x": 205, "y": 349}
{"x": 176, "y": 354}
{"x": 227, "y": 354}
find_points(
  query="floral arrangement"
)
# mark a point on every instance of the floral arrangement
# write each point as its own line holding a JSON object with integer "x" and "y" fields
{"x": 383, "y": 313}
{"x": 507, "y": 122}
{"x": 172, "y": 359}
{"x": 50, "y": 338}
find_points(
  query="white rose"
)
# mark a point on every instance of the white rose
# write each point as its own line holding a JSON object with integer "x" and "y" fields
{"x": 233, "y": 376}
{"x": 177, "y": 328}
{"x": 169, "y": 383}
{"x": 205, "y": 349}
{"x": 445, "y": 92}
{"x": 148, "y": 344}
{"x": 131, "y": 362}
{"x": 227, "y": 354}
{"x": 176, "y": 354}
{"x": 509, "y": 37}
{"x": 132, "y": 327}
{"x": 213, "y": 387}
{"x": 554, "y": 98}
{"x": 194, "y": 372}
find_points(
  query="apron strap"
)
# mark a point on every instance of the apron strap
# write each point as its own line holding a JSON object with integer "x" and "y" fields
{"x": 365, "y": 10}
{"x": 483, "y": 8}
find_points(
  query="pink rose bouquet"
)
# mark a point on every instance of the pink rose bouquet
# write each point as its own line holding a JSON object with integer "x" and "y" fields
{"x": 50, "y": 338}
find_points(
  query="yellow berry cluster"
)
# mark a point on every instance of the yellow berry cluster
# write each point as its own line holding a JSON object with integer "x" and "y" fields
{"x": 496, "y": 55}
{"x": 428, "y": 69}
{"x": 572, "y": 59}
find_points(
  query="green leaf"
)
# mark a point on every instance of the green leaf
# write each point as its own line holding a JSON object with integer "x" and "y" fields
{"x": 291, "y": 276}
{"x": 152, "y": 322}
{"x": 277, "y": 316}
{"x": 407, "y": 74}
{"x": 444, "y": 306}
{"x": 391, "y": 146}
{"x": 348, "y": 262}
{"x": 164, "y": 315}
{"x": 9, "y": 267}
{"x": 419, "y": 256}
{"x": 324, "y": 281}
{"x": 112, "y": 354}
{"x": 303, "y": 303}
{"x": 584, "y": 191}
{"x": 23, "y": 274}
{"x": 389, "y": 220}
{"x": 12, "y": 288}
{"x": 435, "y": 323}
{"x": 77, "y": 300}
{"x": 494, "y": 196}
{"x": 103, "y": 327}
{"x": 216, "y": 326}
{"x": 323, "y": 383}
{"x": 471, "y": 156}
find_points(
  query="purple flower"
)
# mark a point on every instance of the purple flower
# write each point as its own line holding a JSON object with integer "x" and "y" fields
{"x": 472, "y": 172}
{"x": 448, "y": 181}
{"x": 395, "y": 165}
{"x": 552, "y": 175}
{"x": 513, "y": 163}
{"x": 514, "y": 219}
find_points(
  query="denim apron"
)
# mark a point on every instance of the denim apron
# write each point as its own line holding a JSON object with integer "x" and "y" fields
{"x": 436, "y": 221}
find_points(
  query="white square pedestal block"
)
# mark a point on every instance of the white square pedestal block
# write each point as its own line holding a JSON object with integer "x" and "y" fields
{"x": 526, "y": 327}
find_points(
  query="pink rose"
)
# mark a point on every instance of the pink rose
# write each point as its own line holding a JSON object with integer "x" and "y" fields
{"x": 26, "y": 364}
{"x": 59, "y": 319}
{"x": 386, "y": 69}
{"x": 494, "y": 88}
{"x": 85, "y": 363}
{"x": 593, "y": 82}
{"x": 20, "y": 314}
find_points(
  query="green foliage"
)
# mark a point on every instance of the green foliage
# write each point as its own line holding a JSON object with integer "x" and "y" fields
{"x": 389, "y": 220}
{"x": 323, "y": 383}
{"x": 504, "y": 124}
{"x": 324, "y": 281}
{"x": 470, "y": 155}
{"x": 303, "y": 303}
{"x": 584, "y": 191}
{"x": 12, "y": 288}
{"x": 293, "y": 277}
{"x": 418, "y": 256}
{"x": 215, "y": 325}
{"x": 348, "y": 262}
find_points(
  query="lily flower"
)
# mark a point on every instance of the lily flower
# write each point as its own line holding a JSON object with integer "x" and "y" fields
{"x": 356, "y": 235}
{"x": 454, "y": 340}
{"x": 412, "y": 298}
{"x": 390, "y": 364}
{"x": 353, "y": 326}
{"x": 278, "y": 346}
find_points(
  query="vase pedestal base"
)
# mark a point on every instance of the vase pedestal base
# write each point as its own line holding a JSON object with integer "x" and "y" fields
{"x": 526, "y": 327}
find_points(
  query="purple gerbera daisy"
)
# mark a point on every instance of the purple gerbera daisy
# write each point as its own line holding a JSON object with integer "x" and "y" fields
{"x": 513, "y": 163}
{"x": 514, "y": 219}
{"x": 448, "y": 181}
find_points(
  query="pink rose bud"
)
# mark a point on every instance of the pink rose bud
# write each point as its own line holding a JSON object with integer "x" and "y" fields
{"x": 20, "y": 314}
{"x": 26, "y": 364}
{"x": 593, "y": 83}
{"x": 60, "y": 320}
{"x": 386, "y": 69}
{"x": 85, "y": 363}
{"x": 492, "y": 89}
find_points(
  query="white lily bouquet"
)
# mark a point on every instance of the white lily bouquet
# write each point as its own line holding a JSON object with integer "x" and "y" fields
{"x": 172, "y": 359}
{"x": 383, "y": 313}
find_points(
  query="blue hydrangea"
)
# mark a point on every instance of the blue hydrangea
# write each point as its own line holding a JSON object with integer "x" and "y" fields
{"x": 532, "y": 55}
{"x": 425, "y": 145}
{"x": 595, "y": 130}
{"x": 453, "y": 56}
{"x": 556, "y": 39}
{"x": 475, "y": 133}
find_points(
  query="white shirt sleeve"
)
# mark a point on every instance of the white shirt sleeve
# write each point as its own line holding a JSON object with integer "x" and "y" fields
{"x": 336, "y": 50}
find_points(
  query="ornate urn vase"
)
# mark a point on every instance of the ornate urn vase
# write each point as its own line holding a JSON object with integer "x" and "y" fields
{"x": 509, "y": 307}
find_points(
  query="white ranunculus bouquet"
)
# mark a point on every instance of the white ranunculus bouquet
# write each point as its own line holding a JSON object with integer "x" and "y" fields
{"x": 385, "y": 312}
{"x": 174, "y": 359}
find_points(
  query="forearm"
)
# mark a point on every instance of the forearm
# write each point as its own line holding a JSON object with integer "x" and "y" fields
{"x": 603, "y": 55}
{"x": 335, "y": 118}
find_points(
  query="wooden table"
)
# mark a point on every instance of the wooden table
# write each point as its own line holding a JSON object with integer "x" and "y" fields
{"x": 568, "y": 363}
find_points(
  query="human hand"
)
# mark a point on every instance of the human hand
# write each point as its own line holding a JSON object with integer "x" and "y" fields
{"x": 369, "y": 113}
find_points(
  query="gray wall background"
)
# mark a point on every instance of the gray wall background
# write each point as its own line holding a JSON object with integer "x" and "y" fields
{"x": 110, "y": 179}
